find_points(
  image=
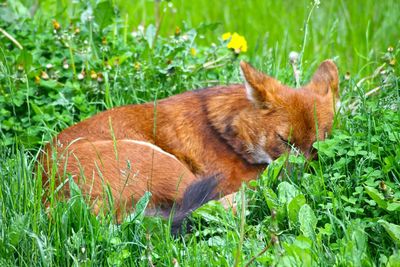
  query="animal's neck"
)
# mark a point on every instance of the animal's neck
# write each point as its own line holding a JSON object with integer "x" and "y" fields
{"x": 231, "y": 115}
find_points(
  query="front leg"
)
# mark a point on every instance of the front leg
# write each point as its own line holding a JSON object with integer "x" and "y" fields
{"x": 229, "y": 202}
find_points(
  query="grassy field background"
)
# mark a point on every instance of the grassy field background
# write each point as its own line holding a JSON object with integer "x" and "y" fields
{"x": 63, "y": 61}
{"x": 352, "y": 31}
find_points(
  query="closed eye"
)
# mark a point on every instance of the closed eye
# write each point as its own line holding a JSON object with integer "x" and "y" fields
{"x": 285, "y": 141}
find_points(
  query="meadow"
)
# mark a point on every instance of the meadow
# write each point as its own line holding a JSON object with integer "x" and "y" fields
{"x": 64, "y": 61}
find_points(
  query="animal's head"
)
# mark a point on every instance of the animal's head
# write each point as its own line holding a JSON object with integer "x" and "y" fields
{"x": 281, "y": 117}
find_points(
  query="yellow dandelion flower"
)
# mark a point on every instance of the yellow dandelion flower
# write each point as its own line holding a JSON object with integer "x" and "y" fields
{"x": 44, "y": 75}
{"x": 238, "y": 43}
{"x": 226, "y": 36}
{"x": 93, "y": 74}
{"x": 56, "y": 25}
{"x": 177, "y": 31}
{"x": 193, "y": 51}
{"x": 137, "y": 65}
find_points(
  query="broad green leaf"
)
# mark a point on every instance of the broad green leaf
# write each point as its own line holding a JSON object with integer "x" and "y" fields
{"x": 287, "y": 261}
{"x": 308, "y": 220}
{"x": 209, "y": 211}
{"x": 394, "y": 260}
{"x": 104, "y": 14}
{"x": 216, "y": 241}
{"x": 299, "y": 252}
{"x": 121, "y": 58}
{"x": 252, "y": 183}
{"x": 154, "y": 224}
{"x": 50, "y": 84}
{"x": 376, "y": 196}
{"x": 326, "y": 147}
{"x": 327, "y": 230}
{"x": 286, "y": 192}
{"x": 25, "y": 60}
{"x": 271, "y": 173}
{"x": 18, "y": 10}
{"x": 357, "y": 245}
{"x": 296, "y": 159}
{"x": 271, "y": 198}
{"x": 303, "y": 242}
{"x": 142, "y": 203}
{"x": 115, "y": 241}
{"x": 392, "y": 229}
{"x": 277, "y": 166}
{"x": 394, "y": 206}
{"x": 125, "y": 254}
{"x": 8, "y": 15}
{"x": 294, "y": 206}
{"x": 140, "y": 208}
{"x": 389, "y": 164}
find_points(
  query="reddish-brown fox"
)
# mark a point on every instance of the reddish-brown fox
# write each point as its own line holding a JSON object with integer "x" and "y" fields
{"x": 127, "y": 168}
{"x": 232, "y": 131}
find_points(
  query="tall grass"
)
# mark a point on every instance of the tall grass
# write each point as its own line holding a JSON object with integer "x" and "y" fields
{"x": 352, "y": 31}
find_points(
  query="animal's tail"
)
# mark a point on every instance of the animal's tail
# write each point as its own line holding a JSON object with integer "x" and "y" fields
{"x": 196, "y": 195}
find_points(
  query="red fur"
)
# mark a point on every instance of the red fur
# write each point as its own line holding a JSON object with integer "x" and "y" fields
{"x": 225, "y": 130}
{"x": 128, "y": 168}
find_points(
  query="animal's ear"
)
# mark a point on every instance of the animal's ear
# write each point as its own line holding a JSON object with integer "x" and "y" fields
{"x": 260, "y": 88}
{"x": 325, "y": 79}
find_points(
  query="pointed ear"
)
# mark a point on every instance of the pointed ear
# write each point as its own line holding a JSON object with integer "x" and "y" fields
{"x": 260, "y": 88}
{"x": 325, "y": 79}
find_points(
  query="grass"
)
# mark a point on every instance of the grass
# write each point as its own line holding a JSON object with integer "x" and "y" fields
{"x": 353, "y": 31}
{"x": 341, "y": 210}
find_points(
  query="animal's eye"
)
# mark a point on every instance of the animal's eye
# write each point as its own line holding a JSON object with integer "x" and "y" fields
{"x": 285, "y": 141}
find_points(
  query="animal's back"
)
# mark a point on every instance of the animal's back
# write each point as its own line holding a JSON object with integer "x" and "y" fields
{"x": 179, "y": 125}
{"x": 128, "y": 167}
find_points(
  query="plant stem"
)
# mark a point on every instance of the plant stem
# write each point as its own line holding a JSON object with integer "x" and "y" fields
{"x": 242, "y": 223}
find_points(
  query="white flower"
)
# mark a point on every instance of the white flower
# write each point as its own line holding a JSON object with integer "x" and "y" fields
{"x": 293, "y": 57}
{"x": 87, "y": 15}
{"x": 141, "y": 29}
